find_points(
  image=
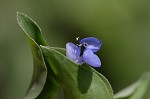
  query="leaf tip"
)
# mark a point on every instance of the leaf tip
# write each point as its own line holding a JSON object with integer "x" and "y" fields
{"x": 18, "y": 17}
{"x": 18, "y": 14}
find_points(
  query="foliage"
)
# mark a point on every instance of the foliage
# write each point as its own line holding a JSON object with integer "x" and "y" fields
{"x": 56, "y": 77}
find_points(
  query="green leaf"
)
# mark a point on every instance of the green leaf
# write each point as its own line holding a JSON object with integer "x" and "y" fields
{"x": 31, "y": 29}
{"x": 40, "y": 86}
{"x": 136, "y": 90}
{"x": 78, "y": 81}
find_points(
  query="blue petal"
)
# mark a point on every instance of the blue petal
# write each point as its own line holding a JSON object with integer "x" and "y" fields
{"x": 90, "y": 58}
{"x": 73, "y": 52}
{"x": 91, "y": 43}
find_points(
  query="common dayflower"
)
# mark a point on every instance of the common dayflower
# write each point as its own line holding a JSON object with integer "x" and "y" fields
{"x": 79, "y": 55}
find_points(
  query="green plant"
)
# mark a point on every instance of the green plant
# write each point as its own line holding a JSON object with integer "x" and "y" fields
{"x": 57, "y": 77}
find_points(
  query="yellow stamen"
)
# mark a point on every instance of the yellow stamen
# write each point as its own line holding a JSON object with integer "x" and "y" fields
{"x": 77, "y": 38}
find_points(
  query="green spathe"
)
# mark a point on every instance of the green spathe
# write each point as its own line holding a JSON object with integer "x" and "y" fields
{"x": 78, "y": 81}
{"x": 41, "y": 86}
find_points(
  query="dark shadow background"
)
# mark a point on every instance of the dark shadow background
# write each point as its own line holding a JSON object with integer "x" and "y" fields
{"x": 122, "y": 25}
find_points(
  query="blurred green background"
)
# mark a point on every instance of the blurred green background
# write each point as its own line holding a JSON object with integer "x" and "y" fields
{"x": 122, "y": 25}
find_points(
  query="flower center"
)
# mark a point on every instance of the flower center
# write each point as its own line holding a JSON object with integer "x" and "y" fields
{"x": 85, "y": 44}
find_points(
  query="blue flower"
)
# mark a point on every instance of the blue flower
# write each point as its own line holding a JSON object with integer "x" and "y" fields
{"x": 73, "y": 52}
{"x": 91, "y": 45}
